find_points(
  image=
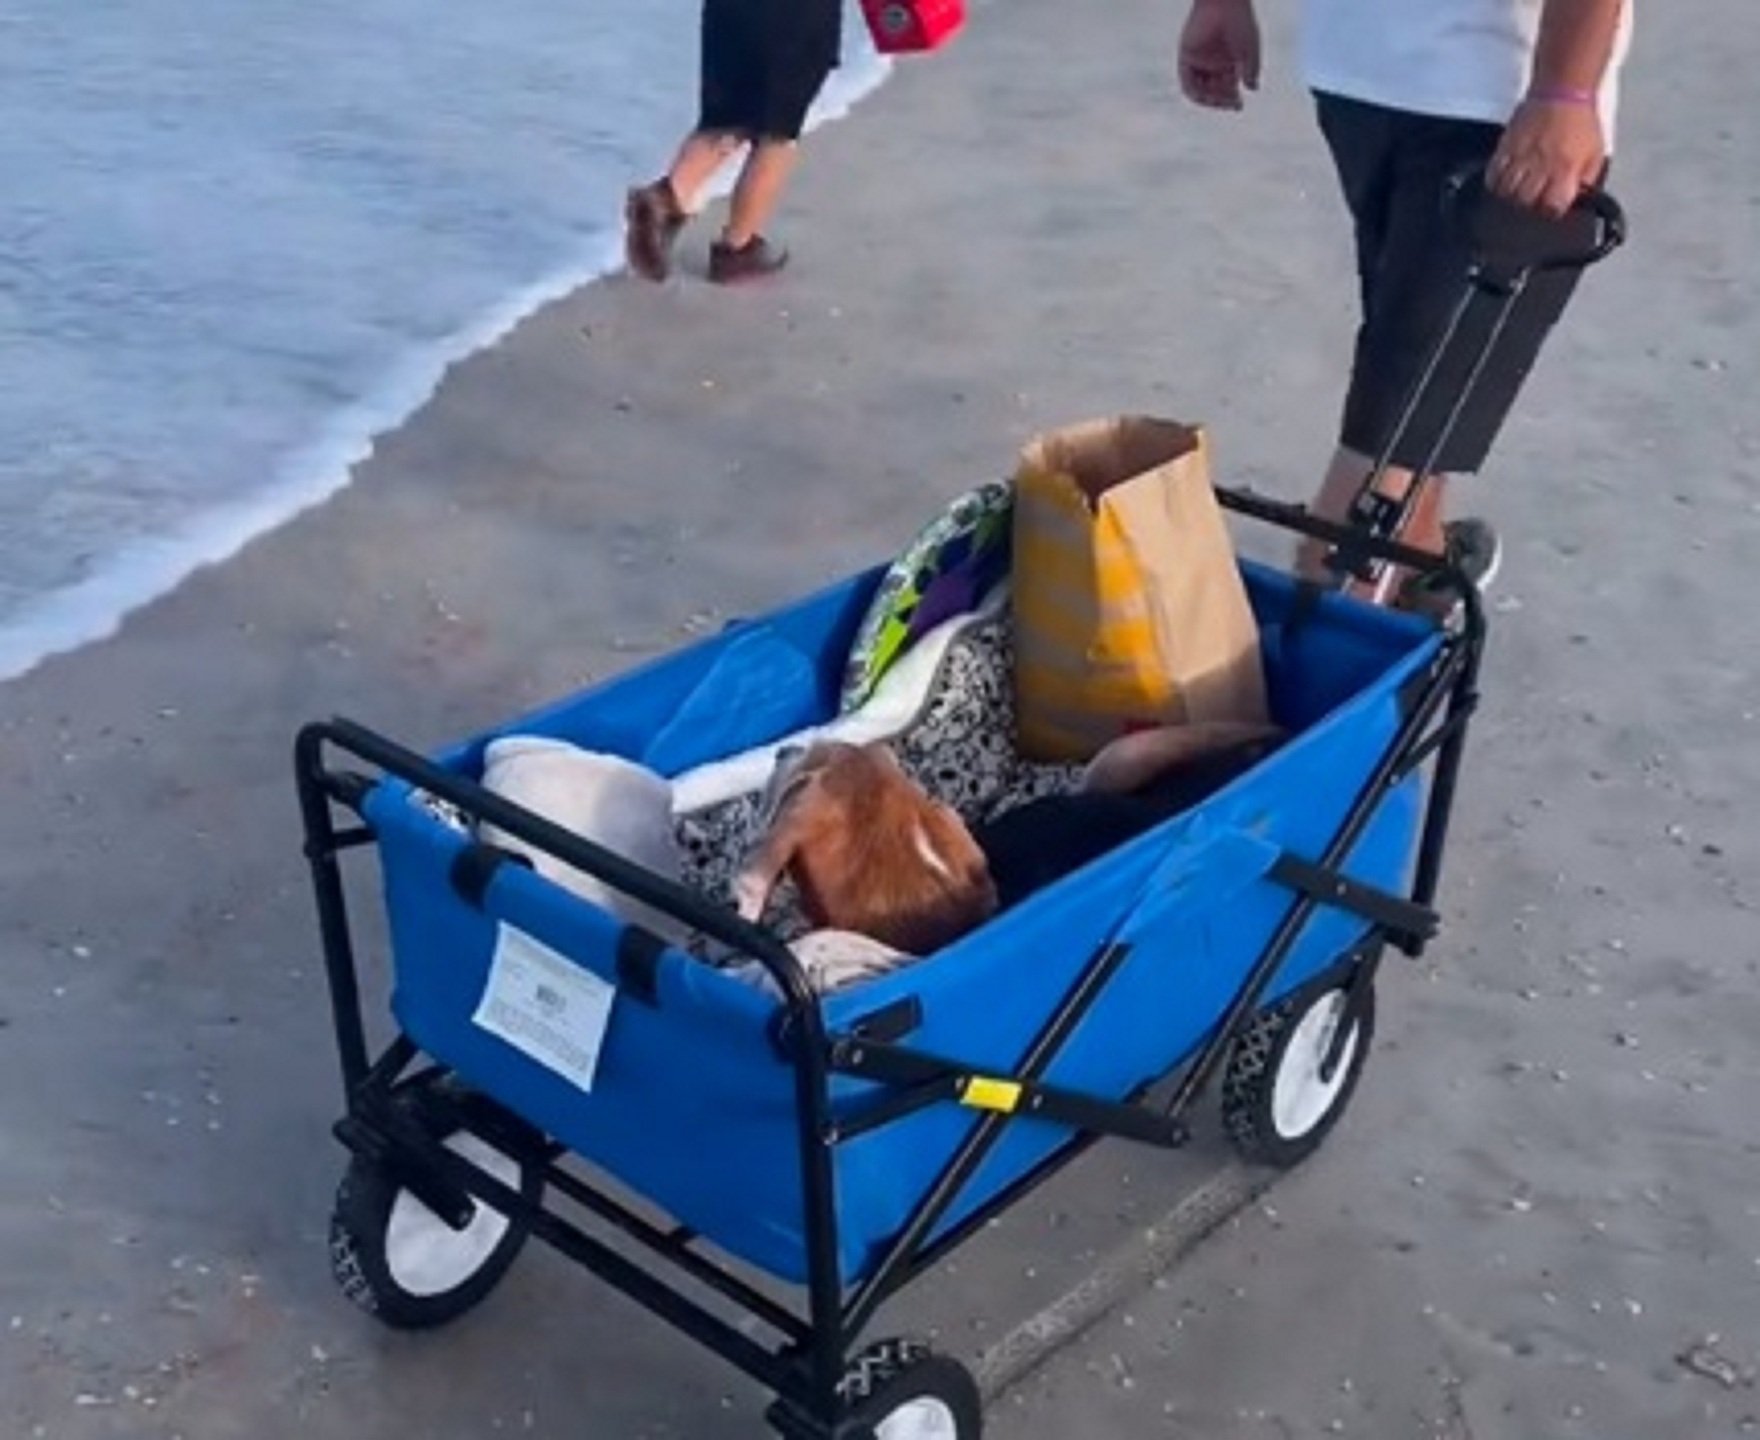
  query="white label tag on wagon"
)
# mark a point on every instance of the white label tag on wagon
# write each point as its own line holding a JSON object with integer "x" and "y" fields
{"x": 545, "y": 1006}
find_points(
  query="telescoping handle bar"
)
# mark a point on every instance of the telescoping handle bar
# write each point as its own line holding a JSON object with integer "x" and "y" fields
{"x": 1498, "y": 281}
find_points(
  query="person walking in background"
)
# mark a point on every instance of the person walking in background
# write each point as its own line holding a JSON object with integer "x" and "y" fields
{"x": 1409, "y": 93}
{"x": 763, "y": 64}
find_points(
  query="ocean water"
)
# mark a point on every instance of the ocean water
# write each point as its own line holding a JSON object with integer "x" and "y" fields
{"x": 237, "y": 241}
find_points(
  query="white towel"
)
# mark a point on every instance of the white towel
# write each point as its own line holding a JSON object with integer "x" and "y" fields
{"x": 614, "y": 802}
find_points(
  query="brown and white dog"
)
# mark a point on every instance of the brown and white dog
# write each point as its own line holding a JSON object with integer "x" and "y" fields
{"x": 868, "y": 850}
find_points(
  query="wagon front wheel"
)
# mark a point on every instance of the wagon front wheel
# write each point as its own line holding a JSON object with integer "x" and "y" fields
{"x": 1279, "y": 1100}
{"x": 397, "y": 1259}
{"x": 903, "y": 1390}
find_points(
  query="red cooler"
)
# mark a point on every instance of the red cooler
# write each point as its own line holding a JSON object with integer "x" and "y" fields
{"x": 902, "y": 27}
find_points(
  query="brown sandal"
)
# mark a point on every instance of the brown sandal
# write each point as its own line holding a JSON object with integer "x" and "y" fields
{"x": 652, "y": 218}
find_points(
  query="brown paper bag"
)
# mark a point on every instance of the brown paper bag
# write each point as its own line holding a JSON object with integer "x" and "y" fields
{"x": 1129, "y": 607}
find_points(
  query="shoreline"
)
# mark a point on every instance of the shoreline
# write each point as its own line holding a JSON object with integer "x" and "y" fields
{"x": 93, "y": 608}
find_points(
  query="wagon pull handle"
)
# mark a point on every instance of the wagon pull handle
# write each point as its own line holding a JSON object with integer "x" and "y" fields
{"x": 1466, "y": 199}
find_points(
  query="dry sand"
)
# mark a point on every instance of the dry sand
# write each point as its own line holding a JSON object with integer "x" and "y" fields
{"x": 1549, "y": 1184}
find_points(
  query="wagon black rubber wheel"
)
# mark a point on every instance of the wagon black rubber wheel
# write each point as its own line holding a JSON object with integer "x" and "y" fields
{"x": 1276, "y": 1105}
{"x": 397, "y": 1259}
{"x": 903, "y": 1390}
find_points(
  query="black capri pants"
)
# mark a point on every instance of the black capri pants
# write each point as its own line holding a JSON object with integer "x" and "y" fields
{"x": 764, "y": 63}
{"x": 1412, "y": 258}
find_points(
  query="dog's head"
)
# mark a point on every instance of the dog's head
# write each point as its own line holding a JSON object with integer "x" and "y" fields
{"x": 869, "y": 849}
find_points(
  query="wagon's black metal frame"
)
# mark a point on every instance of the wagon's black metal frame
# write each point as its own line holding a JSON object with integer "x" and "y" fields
{"x": 803, "y": 1369}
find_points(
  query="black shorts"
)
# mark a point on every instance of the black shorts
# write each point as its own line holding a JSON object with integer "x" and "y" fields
{"x": 1412, "y": 260}
{"x": 764, "y": 63}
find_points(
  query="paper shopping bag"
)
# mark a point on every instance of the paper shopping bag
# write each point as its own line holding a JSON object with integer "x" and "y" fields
{"x": 1129, "y": 607}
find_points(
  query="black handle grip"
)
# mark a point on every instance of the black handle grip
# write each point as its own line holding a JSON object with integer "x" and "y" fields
{"x": 1612, "y": 216}
{"x": 1467, "y": 193}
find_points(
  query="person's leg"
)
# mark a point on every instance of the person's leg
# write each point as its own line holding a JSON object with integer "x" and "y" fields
{"x": 1506, "y": 239}
{"x": 799, "y": 50}
{"x": 1413, "y": 257}
{"x": 699, "y": 159}
{"x": 655, "y": 214}
{"x": 1362, "y": 140}
{"x": 730, "y": 100}
{"x": 1349, "y": 471}
{"x": 762, "y": 179}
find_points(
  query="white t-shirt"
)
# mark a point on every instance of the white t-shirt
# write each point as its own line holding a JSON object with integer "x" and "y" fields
{"x": 1464, "y": 59}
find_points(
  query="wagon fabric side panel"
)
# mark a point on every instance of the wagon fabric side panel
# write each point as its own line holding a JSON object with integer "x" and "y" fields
{"x": 692, "y": 1105}
{"x": 1195, "y": 907}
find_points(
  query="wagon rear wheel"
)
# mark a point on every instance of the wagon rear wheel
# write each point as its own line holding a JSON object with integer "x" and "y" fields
{"x": 903, "y": 1390}
{"x": 397, "y": 1259}
{"x": 1278, "y": 1099}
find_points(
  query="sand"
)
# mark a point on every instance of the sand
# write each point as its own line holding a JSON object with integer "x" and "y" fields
{"x": 1548, "y": 1187}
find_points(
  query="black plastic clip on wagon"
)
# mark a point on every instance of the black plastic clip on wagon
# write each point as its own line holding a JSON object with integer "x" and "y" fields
{"x": 845, "y": 1143}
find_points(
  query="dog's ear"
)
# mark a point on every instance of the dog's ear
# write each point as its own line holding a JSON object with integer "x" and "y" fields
{"x": 788, "y": 772}
{"x": 758, "y": 872}
{"x": 785, "y": 829}
{"x": 751, "y": 890}
{"x": 771, "y": 853}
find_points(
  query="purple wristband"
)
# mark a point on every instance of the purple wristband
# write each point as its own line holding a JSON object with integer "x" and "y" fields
{"x": 1562, "y": 95}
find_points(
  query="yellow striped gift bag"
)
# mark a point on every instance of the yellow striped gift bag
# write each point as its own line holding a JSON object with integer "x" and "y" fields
{"x": 1129, "y": 607}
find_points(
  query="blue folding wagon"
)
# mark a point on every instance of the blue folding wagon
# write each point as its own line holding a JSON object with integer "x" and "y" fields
{"x": 844, "y": 1143}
